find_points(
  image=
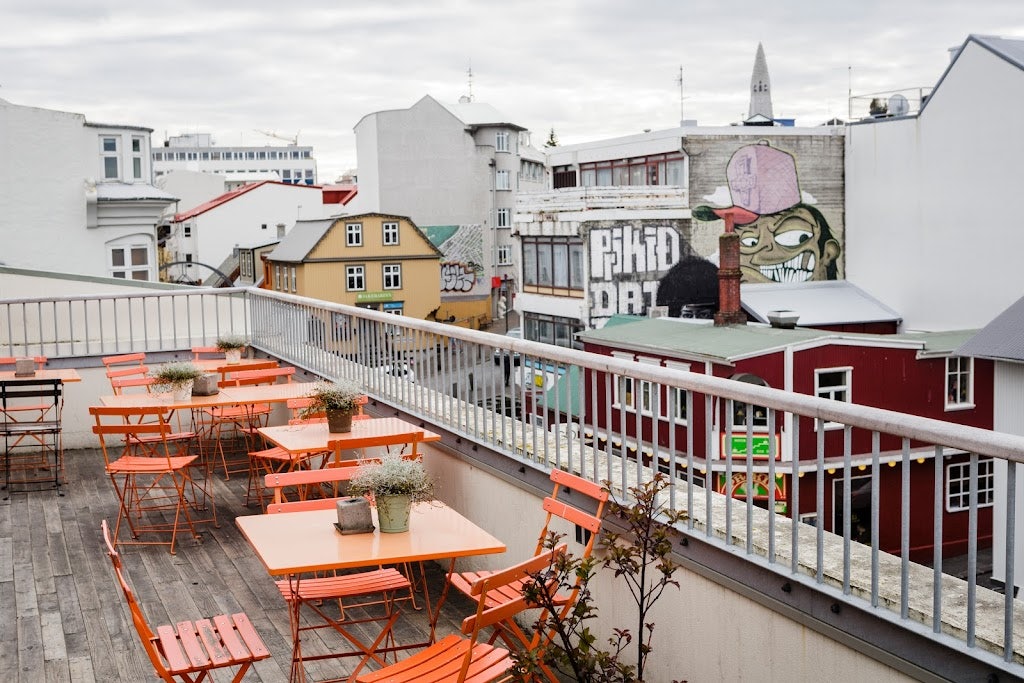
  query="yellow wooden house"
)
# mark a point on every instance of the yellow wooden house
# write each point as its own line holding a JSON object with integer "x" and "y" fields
{"x": 377, "y": 261}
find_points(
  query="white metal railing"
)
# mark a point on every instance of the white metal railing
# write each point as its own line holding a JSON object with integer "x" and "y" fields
{"x": 95, "y": 325}
{"x": 557, "y": 409}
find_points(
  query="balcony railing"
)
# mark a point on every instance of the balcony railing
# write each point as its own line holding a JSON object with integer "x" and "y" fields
{"x": 561, "y": 408}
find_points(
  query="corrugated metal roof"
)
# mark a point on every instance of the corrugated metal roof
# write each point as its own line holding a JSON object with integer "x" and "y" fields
{"x": 301, "y": 239}
{"x": 687, "y": 338}
{"x": 1001, "y": 339}
{"x": 945, "y": 343}
{"x": 827, "y": 302}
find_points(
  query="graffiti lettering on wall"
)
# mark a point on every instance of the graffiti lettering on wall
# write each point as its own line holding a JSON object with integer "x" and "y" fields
{"x": 457, "y": 277}
{"x": 783, "y": 238}
{"x": 626, "y": 263}
{"x": 463, "y": 249}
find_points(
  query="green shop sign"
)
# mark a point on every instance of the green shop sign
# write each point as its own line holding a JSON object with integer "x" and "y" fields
{"x": 759, "y": 446}
{"x": 363, "y": 297}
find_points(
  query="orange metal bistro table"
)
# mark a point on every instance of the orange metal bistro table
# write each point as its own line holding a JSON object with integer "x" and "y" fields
{"x": 63, "y": 374}
{"x": 291, "y": 543}
{"x": 312, "y": 437}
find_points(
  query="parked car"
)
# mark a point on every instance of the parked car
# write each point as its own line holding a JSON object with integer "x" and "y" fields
{"x": 514, "y": 333}
{"x": 400, "y": 370}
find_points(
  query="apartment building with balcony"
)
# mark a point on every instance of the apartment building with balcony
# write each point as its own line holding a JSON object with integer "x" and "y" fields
{"x": 77, "y": 196}
{"x": 239, "y": 164}
{"x": 630, "y": 223}
{"x": 455, "y": 170}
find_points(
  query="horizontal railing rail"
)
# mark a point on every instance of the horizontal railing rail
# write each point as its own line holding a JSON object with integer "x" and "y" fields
{"x": 817, "y": 521}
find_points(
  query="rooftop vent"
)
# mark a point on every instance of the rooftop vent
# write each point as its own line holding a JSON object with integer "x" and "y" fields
{"x": 657, "y": 312}
{"x": 784, "y": 320}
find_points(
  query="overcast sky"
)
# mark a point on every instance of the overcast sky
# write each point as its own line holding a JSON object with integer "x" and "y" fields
{"x": 589, "y": 70}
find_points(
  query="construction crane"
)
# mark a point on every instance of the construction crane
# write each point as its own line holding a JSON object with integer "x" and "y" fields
{"x": 271, "y": 134}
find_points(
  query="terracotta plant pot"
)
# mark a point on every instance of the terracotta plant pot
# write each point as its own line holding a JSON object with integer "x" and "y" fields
{"x": 339, "y": 421}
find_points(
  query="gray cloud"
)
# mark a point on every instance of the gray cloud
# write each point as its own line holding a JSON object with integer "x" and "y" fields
{"x": 587, "y": 69}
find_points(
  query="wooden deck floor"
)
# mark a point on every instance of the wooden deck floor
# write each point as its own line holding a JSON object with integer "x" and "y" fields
{"x": 63, "y": 618}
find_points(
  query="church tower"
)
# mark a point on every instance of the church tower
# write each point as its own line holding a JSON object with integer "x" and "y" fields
{"x": 760, "y": 88}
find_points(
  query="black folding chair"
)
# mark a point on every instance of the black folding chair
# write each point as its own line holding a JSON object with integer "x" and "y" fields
{"x": 30, "y": 423}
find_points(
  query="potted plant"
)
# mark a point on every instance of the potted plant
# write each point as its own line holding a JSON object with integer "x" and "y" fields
{"x": 395, "y": 484}
{"x": 339, "y": 400}
{"x": 232, "y": 345}
{"x": 177, "y": 377}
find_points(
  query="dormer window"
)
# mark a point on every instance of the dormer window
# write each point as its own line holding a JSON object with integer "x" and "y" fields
{"x": 108, "y": 148}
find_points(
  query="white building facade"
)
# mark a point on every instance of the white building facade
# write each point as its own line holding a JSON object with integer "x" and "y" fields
{"x": 455, "y": 170}
{"x": 293, "y": 164}
{"x": 76, "y": 196}
{"x": 254, "y": 214}
{"x": 930, "y": 197}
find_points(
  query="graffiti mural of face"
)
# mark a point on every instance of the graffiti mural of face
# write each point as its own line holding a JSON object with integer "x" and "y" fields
{"x": 795, "y": 245}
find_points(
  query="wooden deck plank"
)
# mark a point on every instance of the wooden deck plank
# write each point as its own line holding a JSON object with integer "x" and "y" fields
{"x": 63, "y": 618}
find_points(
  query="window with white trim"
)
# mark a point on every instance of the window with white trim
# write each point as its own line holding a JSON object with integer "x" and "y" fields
{"x": 504, "y": 254}
{"x": 277, "y": 277}
{"x": 392, "y": 275}
{"x": 504, "y": 219}
{"x": 109, "y": 151}
{"x": 624, "y": 393}
{"x": 673, "y": 405}
{"x": 129, "y": 261}
{"x": 502, "y": 181}
{"x": 137, "y": 148}
{"x": 501, "y": 141}
{"x": 959, "y": 382}
{"x": 354, "y": 234}
{"x": 835, "y": 384}
{"x": 958, "y": 485}
{"x": 294, "y": 279}
{"x": 355, "y": 278}
{"x": 390, "y": 231}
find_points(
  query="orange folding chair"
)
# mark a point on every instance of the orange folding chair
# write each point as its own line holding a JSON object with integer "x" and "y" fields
{"x": 125, "y": 365}
{"x": 510, "y": 631}
{"x": 354, "y": 589}
{"x": 151, "y": 474}
{"x": 276, "y": 459}
{"x": 207, "y": 353}
{"x": 239, "y": 424}
{"x": 462, "y": 658}
{"x": 180, "y": 651}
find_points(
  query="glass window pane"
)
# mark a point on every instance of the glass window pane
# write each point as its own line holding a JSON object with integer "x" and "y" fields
{"x": 117, "y": 257}
{"x": 140, "y": 275}
{"x": 588, "y": 178}
{"x": 530, "y": 263}
{"x": 109, "y": 144}
{"x": 621, "y": 175}
{"x": 637, "y": 174}
{"x": 137, "y": 167}
{"x": 560, "y": 255}
{"x": 544, "y": 264}
{"x": 576, "y": 266}
{"x": 136, "y": 145}
{"x": 139, "y": 256}
{"x": 110, "y": 167}
{"x": 604, "y": 177}
{"x": 674, "y": 173}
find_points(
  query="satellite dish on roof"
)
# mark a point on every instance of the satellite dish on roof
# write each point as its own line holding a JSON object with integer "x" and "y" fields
{"x": 898, "y": 105}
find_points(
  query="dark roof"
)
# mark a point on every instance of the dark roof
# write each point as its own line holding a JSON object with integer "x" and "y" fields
{"x": 1001, "y": 339}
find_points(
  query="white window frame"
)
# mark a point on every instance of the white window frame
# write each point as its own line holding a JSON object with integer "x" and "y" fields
{"x": 504, "y": 254}
{"x": 627, "y": 384}
{"x": 830, "y": 391}
{"x": 501, "y": 141}
{"x": 355, "y": 275}
{"x": 111, "y": 154}
{"x": 127, "y": 271}
{"x": 503, "y": 219}
{"x": 391, "y": 274}
{"x": 959, "y": 369}
{"x": 958, "y": 475}
{"x": 294, "y": 279}
{"x": 502, "y": 180}
{"x": 353, "y": 234}
{"x": 389, "y": 231}
{"x": 680, "y": 416}
{"x": 138, "y": 157}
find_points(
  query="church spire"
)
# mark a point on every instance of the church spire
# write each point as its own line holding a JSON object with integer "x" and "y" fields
{"x": 760, "y": 88}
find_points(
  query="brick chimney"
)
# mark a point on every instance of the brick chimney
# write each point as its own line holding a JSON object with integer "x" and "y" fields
{"x": 729, "y": 310}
